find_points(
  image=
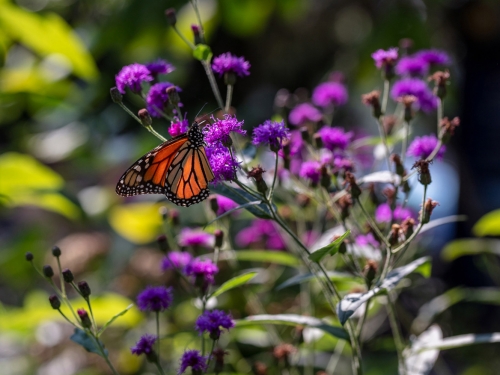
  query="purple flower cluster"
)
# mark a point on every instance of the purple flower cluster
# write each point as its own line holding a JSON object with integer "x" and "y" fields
{"x": 227, "y": 63}
{"x": 383, "y": 57}
{"x": 176, "y": 260}
{"x": 132, "y": 76}
{"x": 419, "y": 63}
{"x": 193, "y": 359}
{"x": 434, "y": 57}
{"x": 311, "y": 170}
{"x": 195, "y": 238}
{"x": 178, "y": 127}
{"x": 223, "y": 165}
{"x": 330, "y": 93}
{"x": 422, "y": 147}
{"x": 335, "y": 138}
{"x": 202, "y": 269}
{"x": 144, "y": 345}
{"x": 261, "y": 230}
{"x": 271, "y": 133}
{"x": 384, "y": 214}
{"x": 157, "y": 98}
{"x": 224, "y": 204}
{"x": 159, "y": 67}
{"x": 155, "y": 298}
{"x": 212, "y": 321}
{"x": 417, "y": 88}
{"x": 303, "y": 113}
{"x": 366, "y": 239}
{"x": 218, "y": 132}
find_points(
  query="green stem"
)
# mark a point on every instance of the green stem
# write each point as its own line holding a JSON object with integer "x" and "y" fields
{"x": 187, "y": 41}
{"x": 385, "y": 95}
{"x": 362, "y": 320}
{"x": 65, "y": 300}
{"x": 155, "y": 133}
{"x": 440, "y": 110}
{"x": 103, "y": 353}
{"x": 61, "y": 279}
{"x": 65, "y": 317}
{"x": 398, "y": 340}
{"x": 148, "y": 128}
{"x": 160, "y": 369}
{"x": 158, "y": 334}
{"x": 405, "y": 142}
{"x": 194, "y": 3}
{"x": 210, "y": 354}
{"x": 373, "y": 224}
{"x": 213, "y": 83}
{"x": 271, "y": 192}
{"x": 91, "y": 313}
{"x": 229, "y": 98}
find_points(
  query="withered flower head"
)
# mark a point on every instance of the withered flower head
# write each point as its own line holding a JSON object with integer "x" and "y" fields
{"x": 407, "y": 227}
{"x": 394, "y": 235}
{"x": 448, "y": 128}
{"x": 256, "y": 173}
{"x": 283, "y": 351}
{"x": 424, "y": 174}
{"x": 373, "y": 99}
{"x": 353, "y": 186}
{"x": 426, "y": 211}
{"x": 440, "y": 79}
{"x": 400, "y": 169}
{"x": 370, "y": 271}
{"x": 389, "y": 122}
{"x": 390, "y": 193}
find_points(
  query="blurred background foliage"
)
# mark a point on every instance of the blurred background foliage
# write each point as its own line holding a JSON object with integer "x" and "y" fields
{"x": 64, "y": 144}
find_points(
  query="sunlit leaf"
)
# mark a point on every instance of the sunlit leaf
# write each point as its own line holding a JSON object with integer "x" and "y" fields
{"x": 247, "y": 17}
{"x": 351, "y": 302}
{"x": 264, "y": 256}
{"x": 488, "y": 225}
{"x": 48, "y": 35}
{"x": 330, "y": 249}
{"x": 470, "y": 246}
{"x": 294, "y": 320}
{"x": 233, "y": 283}
{"x": 109, "y": 322}
{"x": 89, "y": 344}
{"x": 202, "y": 52}
{"x": 139, "y": 223}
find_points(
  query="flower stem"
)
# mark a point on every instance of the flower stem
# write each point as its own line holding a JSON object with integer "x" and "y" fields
{"x": 148, "y": 128}
{"x": 194, "y": 3}
{"x": 404, "y": 146}
{"x": 158, "y": 334}
{"x": 103, "y": 353}
{"x": 229, "y": 98}
{"x": 160, "y": 369}
{"x": 210, "y": 354}
{"x": 440, "y": 110}
{"x": 271, "y": 192}
{"x": 186, "y": 40}
{"x": 373, "y": 224}
{"x": 213, "y": 83}
{"x": 398, "y": 340}
{"x": 385, "y": 95}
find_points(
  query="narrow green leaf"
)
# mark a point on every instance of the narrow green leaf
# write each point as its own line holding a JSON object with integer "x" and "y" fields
{"x": 488, "y": 225}
{"x": 82, "y": 338}
{"x": 294, "y": 320}
{"x": 202, "y": 52}
{"x": 331, "y": 249}
{"x": 470, "y": 246}
{"x": 108, "y": 323}
{"x": 334, "y": 276}
{"x": 233, "y": 283}
{"x": 267, "y": 256}
{"x": 242, "y": 197}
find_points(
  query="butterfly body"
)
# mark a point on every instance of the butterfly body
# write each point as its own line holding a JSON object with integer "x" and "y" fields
{"x": 177, "y": 168}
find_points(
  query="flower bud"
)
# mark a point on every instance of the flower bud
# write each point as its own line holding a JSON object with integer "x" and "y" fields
{"x": 227, "y": 141}
{"x": 353, "y": 186}
{"x": 440, "y": 79}
{"x": 29, "y": 256}
{"x": 145, "y": 117}
{"x": 394, "y": 235}
{"x": 426, "y": 211}
{"x": 400, "y": 169}
{"x": 214, "y": 205}
{"x": 317, "y": 141}
{"x": 408, "y": 101}
{"x": 218, "y": 355}
{"x": 370, "y": 271}
{"x": 345, "y": 203}
{"x": 173, "y": 95}
{"x": 405, "y": 45}
{"x": 196, "y": 34}
{"x": 67, "y": 275}
{"x": 162, "y": 243}
{"x": 448, "y": 128}
{"x": 373, "y": 195}
{"x": 304, "y": 132}
{"x": 283, "y": 352}
{"x": 171, "y": 17}
{"x": 116, "y": 95}
{"x": 55, "y": 302}
{"x": 256, "y": 173}
{"x": 48, "y": 272}
{"x": 229, "y": 78}
{"x": 56, "y": 251}
{"x": 303, "y": 200}
{"x": 424, "y": 174}
{"x": 84, "y": 318}
{"x": 174, "y": 217}
{"x": 219, "y": 238}
{"x": 326, "y": 179}
{"x": 407, "y": 227}
{"x": 389, "y": 122}
{"x": 343, "y": 246}
{"x": 373, "y": 99}
{"x": 84, "y": 289}
{"x": 259, "y": 368}
{"x": 163, "y": 212}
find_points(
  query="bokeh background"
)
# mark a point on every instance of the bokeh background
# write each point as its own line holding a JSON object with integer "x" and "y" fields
{"x": 64, "y": 144}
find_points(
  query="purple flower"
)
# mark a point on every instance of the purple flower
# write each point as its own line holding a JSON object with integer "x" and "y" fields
{"x": 157, "y": 98}
{"x": 434, "y": 57}
{"x": 335, "y": 138}
{"x": 422, "y": 147}
{"x": 402, "y": 213}
{"x": 311, "y": 170}
{"x": 303, "y": 113}
{"x": 382, "y": 57}
{"x": 132, "y": 76}
{"x": 193, "y": 359}
{"x": 225, "y": 204}
{"x": 144, "y": 345}
{"x": 218, "y": 132}
{"x": 330, "y": 93}
{"x": 417, "y": 88}
{"x": 202, "y": 269}
{"x": 178, "y": 127}
{"x": 159, "y": 67}
{"x": 222, "y": 163}
{"x": 212, "y": 321}
{"x": 412, "y": 66}
{"x": 176, "y": 260}
{"x": 383, "y": 213}
{"x": 261, "y": 230}
{"x": 296, "y": 144}
{"x": 227, "y": 63}
{"x": 366, "y": 239}
{"x": 195, "y": 237}
{"x": 271, "y": 133}
{"x": 310, "y": 237}
{"x": 155, "y": 298}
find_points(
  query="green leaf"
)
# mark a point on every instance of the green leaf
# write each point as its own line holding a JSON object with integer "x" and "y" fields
{"x": 266, "y": 256}
{"x": 233, "y": 283}
{"x": 331, "y": 249}
{"x": 488, "y": 225}
{"x": 334, "y": 276}
{"x": 202, "y": 52}
{"x": 470, "y": 246}
{"x": 88, "y": 343}
{"x": 294, "y": 320}
{"x": 108, "y": 323}
{"x": 242, "y": 197}
{"x": 351, "y": 302}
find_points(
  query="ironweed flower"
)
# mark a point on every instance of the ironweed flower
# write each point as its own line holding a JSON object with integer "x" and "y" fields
{"x": 176, "y": 260}
{"x": 155, "y": 298}
{"x": 178, "y": 127}
{"x": 311, "y": 170}
{"x": 271, "y": 133}
{"x": 218, "y": 131}
{"x": 335, "y": 138}
{"x": 412, "y": 66}
{"x": 330, "y": 93}
{"x": 434, "y": 57}
{"x": 417, "y": 88}
{"x": 383, "y": 58}
{"x": 224, "y": 204}
{"x": 132, "y": 76}
{"x": 195, "y": 238}
{"x": 193, "y": 359}
{"x": 261, "y": 230}
{"x": 303, "y": 113}
{"x": 222, "y": 163}
{"x": 366, "y": 239}
{"x": 227, "y": 63}
{"x": 157, "y": 98}
{"x": 422, "y": 147}
{"x": 145, "y": 346}
{"x": 383, "y": 213}
{"x": 159, "y": 67}
{"x": 212, "y": 322}
{"x": 203, "y": 271}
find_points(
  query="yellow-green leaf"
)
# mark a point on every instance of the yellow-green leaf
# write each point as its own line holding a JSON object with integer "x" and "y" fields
{"x": 488, "y": 225}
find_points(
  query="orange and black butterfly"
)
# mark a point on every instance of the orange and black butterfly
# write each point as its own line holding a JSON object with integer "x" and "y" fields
{"x": 178, "y": 168}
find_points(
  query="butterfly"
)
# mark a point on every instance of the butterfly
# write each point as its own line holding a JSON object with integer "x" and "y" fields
{"x": 178, "y": 168}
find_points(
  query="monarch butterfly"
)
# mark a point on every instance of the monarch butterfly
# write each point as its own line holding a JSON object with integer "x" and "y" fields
{"x": 178, "y": 168}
